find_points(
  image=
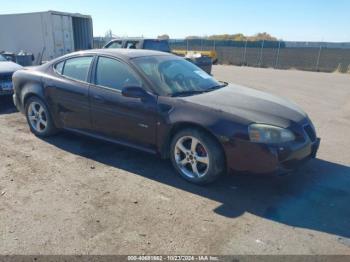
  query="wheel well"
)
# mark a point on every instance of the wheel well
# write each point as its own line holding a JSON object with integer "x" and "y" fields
{"x": 27, "y": 97}
{"x": 28, "y": 90}
{"x": 181, "y": 126}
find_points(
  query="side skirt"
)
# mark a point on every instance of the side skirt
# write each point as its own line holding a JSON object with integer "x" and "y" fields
{"x": 114, "y": 141}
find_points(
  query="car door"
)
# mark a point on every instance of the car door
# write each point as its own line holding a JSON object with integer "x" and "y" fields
{"x": 131, "y": 120}
{"x": 68, "y": 91}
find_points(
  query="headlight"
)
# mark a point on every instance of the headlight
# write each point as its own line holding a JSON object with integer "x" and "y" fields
{"x": 261, "y": 133}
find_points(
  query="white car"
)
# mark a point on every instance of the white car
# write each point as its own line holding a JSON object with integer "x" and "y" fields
{"x": 7, "y": 68}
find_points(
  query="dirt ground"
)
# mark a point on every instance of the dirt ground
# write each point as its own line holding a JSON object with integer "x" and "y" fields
{"x": 74, "y": 195}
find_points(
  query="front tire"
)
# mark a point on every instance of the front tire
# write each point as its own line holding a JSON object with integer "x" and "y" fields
{"x": 39, "y": 118}
{"x": 196, "y": 156}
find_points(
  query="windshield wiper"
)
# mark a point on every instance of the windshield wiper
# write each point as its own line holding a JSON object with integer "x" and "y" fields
{"x": 195, "y": 92}
{"x": 187, "y": 93}
{"x": 216, "y": 87}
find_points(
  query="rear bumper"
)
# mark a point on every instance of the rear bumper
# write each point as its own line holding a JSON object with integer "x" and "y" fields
{"x": 255, "y": 158}
{"x": 17, "y": 103}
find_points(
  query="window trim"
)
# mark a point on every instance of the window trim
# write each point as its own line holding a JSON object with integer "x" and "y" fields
{"x": 55, "y": 65}
{"x": 72, "y": 57}
{"x": 94, "y": 72}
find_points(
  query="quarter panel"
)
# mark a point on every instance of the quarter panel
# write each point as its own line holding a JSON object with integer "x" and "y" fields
{"x": 25, "y": 84}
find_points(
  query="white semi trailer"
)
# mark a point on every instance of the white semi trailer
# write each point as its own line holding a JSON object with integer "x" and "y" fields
{"x": 46, "y": 35}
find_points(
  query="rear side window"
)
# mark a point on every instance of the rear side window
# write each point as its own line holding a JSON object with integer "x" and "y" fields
{"x": 116, "y": 44}
{"x": 114, "y": 74}
{"x": 59, "y": 67}
{"x": 77, "y": 68}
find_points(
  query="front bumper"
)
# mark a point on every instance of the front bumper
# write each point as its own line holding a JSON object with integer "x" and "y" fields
{"x": 245, "y": 156}
{"x": 294, "y": 159}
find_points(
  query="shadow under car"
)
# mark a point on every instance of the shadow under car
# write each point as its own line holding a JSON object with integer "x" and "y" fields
{"x": 316, "y": 197}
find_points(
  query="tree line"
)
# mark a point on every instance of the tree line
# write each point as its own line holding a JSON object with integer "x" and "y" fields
{"x": 237, "y": 37}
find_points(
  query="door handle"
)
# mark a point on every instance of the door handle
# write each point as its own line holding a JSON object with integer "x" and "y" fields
{"x": 98, "y": 98}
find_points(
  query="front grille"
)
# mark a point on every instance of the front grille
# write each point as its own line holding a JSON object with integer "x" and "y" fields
{"x": 310, "y": 132}
{"x": 6, "y": 77}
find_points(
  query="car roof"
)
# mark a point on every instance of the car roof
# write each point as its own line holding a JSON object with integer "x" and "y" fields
{"x": 121, "y": 52}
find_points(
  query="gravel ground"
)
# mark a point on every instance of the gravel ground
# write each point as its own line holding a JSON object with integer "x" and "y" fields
{"x": 74, "y": 195}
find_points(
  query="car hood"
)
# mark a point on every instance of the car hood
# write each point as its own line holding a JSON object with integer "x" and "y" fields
{"x": 250, "y": 105}
{"x": 9, "y": 67}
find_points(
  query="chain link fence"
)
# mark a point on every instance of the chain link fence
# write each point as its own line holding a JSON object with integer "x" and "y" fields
{"x": 311, "y": 56}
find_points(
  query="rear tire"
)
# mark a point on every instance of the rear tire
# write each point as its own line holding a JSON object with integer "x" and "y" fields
{"x": 197, "y": 156}
{"x": 39, "y": 118}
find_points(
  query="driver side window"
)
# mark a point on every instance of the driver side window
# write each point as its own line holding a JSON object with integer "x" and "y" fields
{"x": 114, "y": 74}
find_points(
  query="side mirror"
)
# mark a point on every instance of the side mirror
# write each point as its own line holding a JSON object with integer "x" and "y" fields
{"x": 134, "y": 92}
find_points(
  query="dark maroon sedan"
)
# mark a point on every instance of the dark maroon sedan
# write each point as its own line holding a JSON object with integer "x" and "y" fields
{"x": 163, "y": 104}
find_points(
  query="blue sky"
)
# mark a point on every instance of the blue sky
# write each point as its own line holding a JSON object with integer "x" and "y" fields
{"x": 299, "y": 20}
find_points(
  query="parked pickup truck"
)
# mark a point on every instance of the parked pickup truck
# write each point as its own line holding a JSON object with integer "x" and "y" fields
{"x": 7, "y": 68}
{"x": 204, "y": 62}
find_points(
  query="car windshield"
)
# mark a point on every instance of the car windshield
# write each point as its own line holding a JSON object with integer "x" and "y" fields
{"x": 2, "y": 58}
{"x": 174, "y": 76}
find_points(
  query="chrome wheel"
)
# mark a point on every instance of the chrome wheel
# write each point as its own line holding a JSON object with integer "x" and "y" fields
{"x": 191, "y": 157}
{"x": 37, "y": 117}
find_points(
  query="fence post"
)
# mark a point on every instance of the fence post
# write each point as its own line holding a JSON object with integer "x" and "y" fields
{"x": 245, "y": 53}
{"x": 318, "y": 58}
{"x": 261, "y": 53}
{"x": 278, "y": 54}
